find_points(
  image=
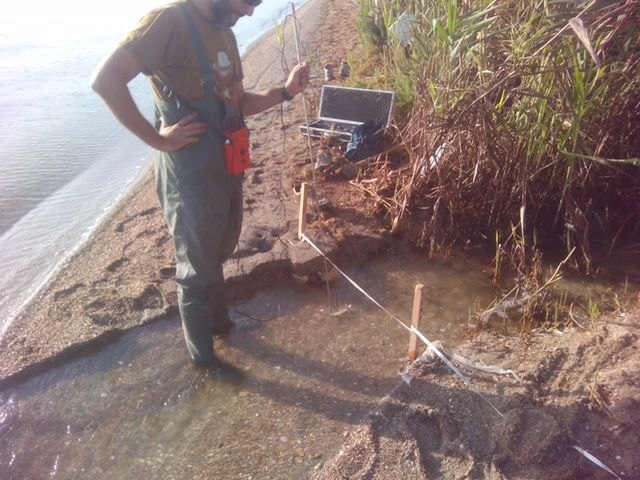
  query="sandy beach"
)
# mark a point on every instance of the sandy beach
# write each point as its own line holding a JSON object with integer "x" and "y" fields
{"x": 123, "y": 276}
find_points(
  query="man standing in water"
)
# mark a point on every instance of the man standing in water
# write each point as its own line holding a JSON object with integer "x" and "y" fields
{"x": 190, "y": 53}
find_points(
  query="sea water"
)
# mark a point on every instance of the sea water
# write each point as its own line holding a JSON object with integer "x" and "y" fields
{"x": 64, "y": 159}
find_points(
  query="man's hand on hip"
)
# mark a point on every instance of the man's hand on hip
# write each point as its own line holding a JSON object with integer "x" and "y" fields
{"x": 185, "y": 132}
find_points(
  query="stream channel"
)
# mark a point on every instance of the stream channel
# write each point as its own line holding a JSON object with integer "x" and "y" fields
{"x": 136, "y": 408}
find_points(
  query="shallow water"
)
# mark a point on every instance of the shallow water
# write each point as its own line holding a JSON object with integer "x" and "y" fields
{"x": 137, "y": 408}
{"x": 313, "y": 364}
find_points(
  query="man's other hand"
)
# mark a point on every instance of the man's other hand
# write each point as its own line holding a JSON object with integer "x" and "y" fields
{"x": 298, "y": 79}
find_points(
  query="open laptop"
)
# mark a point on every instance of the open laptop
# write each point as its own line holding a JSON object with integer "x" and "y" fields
{"x": 344, "y": 108}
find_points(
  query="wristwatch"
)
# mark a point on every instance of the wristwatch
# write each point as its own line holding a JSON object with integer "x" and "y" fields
{"x": 285, "y": 95}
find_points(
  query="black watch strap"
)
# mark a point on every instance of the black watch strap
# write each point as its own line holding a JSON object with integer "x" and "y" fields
{"x": 285, "y": 95}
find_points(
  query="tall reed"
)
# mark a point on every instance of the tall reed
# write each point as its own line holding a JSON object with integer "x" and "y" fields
{"x": 519, "y": 120}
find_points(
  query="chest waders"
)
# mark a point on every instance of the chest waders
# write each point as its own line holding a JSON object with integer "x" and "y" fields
{"x": 202, "y": 206}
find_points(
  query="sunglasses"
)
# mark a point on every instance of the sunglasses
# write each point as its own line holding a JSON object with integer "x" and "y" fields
{"x": 253, "y": 3}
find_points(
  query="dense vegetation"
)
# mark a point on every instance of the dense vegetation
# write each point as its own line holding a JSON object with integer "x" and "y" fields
{"x": 519, "y": 124}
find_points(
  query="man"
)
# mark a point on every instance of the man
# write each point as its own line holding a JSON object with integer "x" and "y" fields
{"x": 191, "y": 55}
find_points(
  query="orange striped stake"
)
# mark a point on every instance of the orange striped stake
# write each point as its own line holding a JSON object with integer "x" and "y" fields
{"x": 415, "y": 319}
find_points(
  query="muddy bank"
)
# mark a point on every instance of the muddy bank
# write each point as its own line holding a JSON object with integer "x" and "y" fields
{"x": 123, "y": 276}
{"x": 571, "y": 388}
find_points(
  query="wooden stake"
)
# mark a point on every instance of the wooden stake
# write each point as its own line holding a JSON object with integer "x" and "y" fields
{"x": 415, "y": 319}
{"x": 302, "y": 216}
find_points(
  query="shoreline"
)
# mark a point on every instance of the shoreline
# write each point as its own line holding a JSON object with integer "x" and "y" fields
{"x": 86, "y": 238}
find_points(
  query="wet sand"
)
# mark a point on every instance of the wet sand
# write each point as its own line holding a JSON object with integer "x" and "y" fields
{"x": 123, "y": 276}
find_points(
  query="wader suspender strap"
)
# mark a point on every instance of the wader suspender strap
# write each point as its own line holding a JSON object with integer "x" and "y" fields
{"x": 207, "y": 75}
{"x": 237, "y": 138}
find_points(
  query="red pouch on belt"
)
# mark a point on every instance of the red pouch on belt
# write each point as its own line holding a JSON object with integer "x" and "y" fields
{"x": 236, "y": 150}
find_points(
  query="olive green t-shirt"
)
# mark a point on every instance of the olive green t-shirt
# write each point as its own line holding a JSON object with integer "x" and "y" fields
{"x": 162, "y": 44}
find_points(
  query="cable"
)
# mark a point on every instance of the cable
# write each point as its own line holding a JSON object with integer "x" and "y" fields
{"x": 310, "y": 147}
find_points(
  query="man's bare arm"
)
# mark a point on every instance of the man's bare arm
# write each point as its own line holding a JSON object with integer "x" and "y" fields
{"x": 110, "y": 81}
{"x": 256, "y": 102}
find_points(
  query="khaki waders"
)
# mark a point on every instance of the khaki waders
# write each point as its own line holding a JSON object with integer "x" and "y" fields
{"x": 202, "y": 206}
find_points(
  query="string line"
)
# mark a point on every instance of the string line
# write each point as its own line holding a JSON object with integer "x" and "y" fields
{"x": 411, "y": 329}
